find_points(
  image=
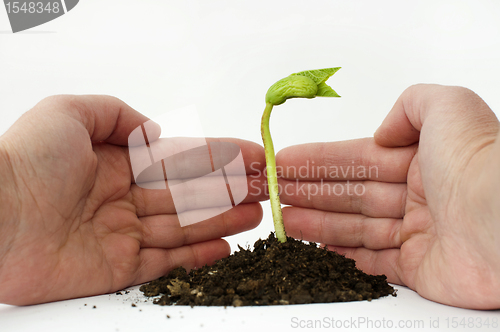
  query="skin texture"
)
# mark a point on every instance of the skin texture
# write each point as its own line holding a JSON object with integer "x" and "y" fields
{"x": 429, "y": 216}
{"x": 73, "y": 223}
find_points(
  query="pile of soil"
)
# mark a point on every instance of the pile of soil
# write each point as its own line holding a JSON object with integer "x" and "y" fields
{"x": 273, "y": 273}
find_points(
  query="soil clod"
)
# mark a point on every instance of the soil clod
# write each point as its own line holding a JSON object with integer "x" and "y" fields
{"x": 273, "y": 273}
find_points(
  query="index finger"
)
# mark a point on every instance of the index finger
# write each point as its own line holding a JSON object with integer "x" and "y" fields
{"x": 360, "y": 159}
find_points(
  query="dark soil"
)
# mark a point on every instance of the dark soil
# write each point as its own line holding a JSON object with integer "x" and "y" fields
{"x": 273, "y": 273}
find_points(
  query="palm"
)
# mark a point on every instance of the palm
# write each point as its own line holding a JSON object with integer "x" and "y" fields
{"x": 108, "y": 227}
{"x": 90, "y": 222}
{"x": 83, "y": 227}
{"x": 438, "y": 238}
{"x": 424, "y": 218}
{"x": 421, "y": 256}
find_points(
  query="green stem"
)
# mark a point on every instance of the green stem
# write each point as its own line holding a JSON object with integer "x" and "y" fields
{"x": 272, "y": 177}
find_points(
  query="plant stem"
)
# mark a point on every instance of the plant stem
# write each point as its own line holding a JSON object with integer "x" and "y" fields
{"x": 272, "y": 177}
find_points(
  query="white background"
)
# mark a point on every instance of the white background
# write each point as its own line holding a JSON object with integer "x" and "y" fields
{"x": 222, "y": 56}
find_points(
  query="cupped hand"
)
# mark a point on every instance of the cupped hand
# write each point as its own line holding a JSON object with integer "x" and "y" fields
{"x": 419, "y": 202}
{"x": 73, "y": 222}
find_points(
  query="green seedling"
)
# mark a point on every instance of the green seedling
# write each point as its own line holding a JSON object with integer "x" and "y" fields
{"x": 306, "y": 84}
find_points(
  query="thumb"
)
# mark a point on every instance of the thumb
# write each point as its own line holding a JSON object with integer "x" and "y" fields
{"x": 452, "y": 111}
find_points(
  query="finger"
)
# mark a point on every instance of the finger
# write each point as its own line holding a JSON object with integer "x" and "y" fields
{"x": 340, "y": 229}
{"x": 452, "y": 109}
{"x": 369, "y": 198}
{"x": 189, "y": 157}
{"x": 156, "y": 262}
{"x": 253, "y": 153}
{"x": 360, "y": 159}
{"x": 106, "y": 118}
{"x": 164, "y": 231}
{"x": 374, "y": 262}
{"x": 201, "y": 195}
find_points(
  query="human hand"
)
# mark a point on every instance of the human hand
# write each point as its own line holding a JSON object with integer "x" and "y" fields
{"x": 73, "y": 223}
{"x": 422, "y": 205}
